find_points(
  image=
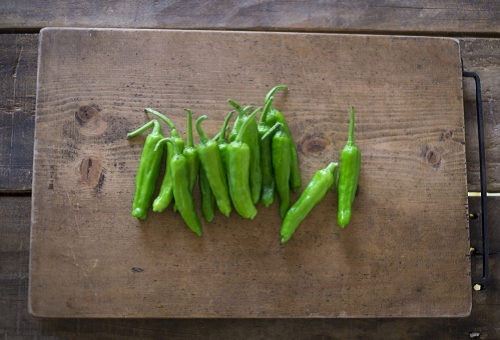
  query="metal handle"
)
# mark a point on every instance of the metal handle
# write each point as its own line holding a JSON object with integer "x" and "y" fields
{"x": 482, "y": 175}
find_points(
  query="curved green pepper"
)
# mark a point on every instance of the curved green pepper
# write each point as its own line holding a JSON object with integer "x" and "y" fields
{"x": 281, "y": 157}
{"x": 165, "y": 194}
{"x": 251, "y": 138}
{"x": 182, "y": 193}
{"x": 350, "y": 164}
{"x": 273, "y": 117}
{"x": 266, "y": 161}
{"x": 238, "y": 172}
{"x": 211, "y": 161}
{"x": 315, "y": 191}
{"x": 240, "y": 119}
{"x": 221, "y": 138}
{"x": 149, "y": 169}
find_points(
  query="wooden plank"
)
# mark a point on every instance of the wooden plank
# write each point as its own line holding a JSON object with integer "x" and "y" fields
{"x": 86, "y": 245}
{"x": 424, "y": 17}
{"x": 17, "y": 323}
{"x": 18, "y": 60}
{"x": 481, "y": 56}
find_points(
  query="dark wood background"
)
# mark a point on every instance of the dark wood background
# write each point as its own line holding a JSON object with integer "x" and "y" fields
{"x": 476, "y": 24}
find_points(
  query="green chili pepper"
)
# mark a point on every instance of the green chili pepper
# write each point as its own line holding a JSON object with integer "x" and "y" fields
{"x": 165, "y": 194}
{"x": 207, "y": 197}
{"x": 281, "y": 157}
{"x": 149, "y": 168}
{"x": 315, "y": 191}
{"x": 182, "y": 193}
{"x": 238, "y": 123}
{"x": 266, "y": 162}
{"x": 275, "y": 116}
{"x": 350, "y": 164}
{"x": 238, "y": 172}
{"x": 190, "y": 152}
{"x": 211, "y": 161}
{"x": 251, "y": 138}
{"x": 221, "y": 138}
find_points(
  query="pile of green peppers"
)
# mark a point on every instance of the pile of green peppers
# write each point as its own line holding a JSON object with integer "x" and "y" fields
{"x": 255, "y": 162}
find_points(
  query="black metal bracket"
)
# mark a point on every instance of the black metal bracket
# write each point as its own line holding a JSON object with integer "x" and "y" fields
{"x": 482, "y": 174}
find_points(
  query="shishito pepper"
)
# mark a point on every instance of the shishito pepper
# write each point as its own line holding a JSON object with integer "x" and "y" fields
{"x": 266, "y": 161}
{"x": 251, "y": 138}
{"x": 350, "y": 164}
{"x": 149, "y": 169}
{"x": 238, "y": 172}
{"x": 221, "y": 138}
{"x": 182, "y": 193}
{"x": 207, "y": 197}
{"x": 211, "y": 161}
{"x": 282, "y": 157}
{"x": 273, "y": 117}
{"x": 165, "y": 194}
{"x": 190, "y": 152}
{"x": 238, "y": 123}
{"x": 314, "y": 192}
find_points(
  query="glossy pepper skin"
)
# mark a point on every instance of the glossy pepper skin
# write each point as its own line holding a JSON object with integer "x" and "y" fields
{"x": 211, "y": 161}
{"x": 238, "y": 123}
{"x": 268, "y": 184}
{"x": 350, "y": 164}
{"x": 251, "y": 138}
{"x": 221, "y": 138}
{"x": 281, "y": 157}
{"x": 149, "y": 169}
{"x": 315, "y": 191}
{"x": 182, "y": 193}
{"x": 190, "y": 152}
{"x": 273, "y": 117}
{"x": 238, "y": 172}
{"x": 207, "y": 197}
{"x": 166, "y": 195}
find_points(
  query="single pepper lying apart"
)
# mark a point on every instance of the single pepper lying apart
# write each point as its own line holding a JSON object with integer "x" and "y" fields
{"x": 350, "y": 164}
{"x": 322, "y": 181}
{"x": 149, "y": 169}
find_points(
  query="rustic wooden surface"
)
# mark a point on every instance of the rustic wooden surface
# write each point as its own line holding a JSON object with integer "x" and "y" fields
{"x": 85, "y": 245}
{"x": 18, "y": 59}
{"x": 423, "y": 17}
{"x": 481, "y": 55}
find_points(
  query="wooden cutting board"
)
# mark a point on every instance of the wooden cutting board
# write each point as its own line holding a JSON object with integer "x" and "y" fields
{"x": 405, "y": 253}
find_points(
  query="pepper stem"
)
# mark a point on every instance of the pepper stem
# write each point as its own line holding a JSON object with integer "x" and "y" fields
{"x": 273, "y": 90}
{"x": 189, "y": 129}
{"x": 272, "y": 130}
{"x": 350, "y": 137}
{"x": 203, "y": 136}
{"x": 162, "y": 117}
{"x": 156, "y": 128}
{"x": 263, "y": 116}
{"x": 221, "y": 137}
{"x": 239, "y": 136}
{"x": 177, "y": 151}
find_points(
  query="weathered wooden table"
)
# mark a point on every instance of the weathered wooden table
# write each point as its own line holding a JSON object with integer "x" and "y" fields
{"x": 476, "y": 26}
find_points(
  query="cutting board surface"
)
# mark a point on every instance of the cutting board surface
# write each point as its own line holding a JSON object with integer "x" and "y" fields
{"x": 405, "y": 252}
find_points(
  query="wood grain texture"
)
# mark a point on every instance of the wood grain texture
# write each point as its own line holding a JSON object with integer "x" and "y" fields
{"x": 91, "y": 258}
{"x": 481, "y": 56}
{"x": 17, "y": 323}
{"x": 445, "y": 17}
{"x": 18, "y": 60}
